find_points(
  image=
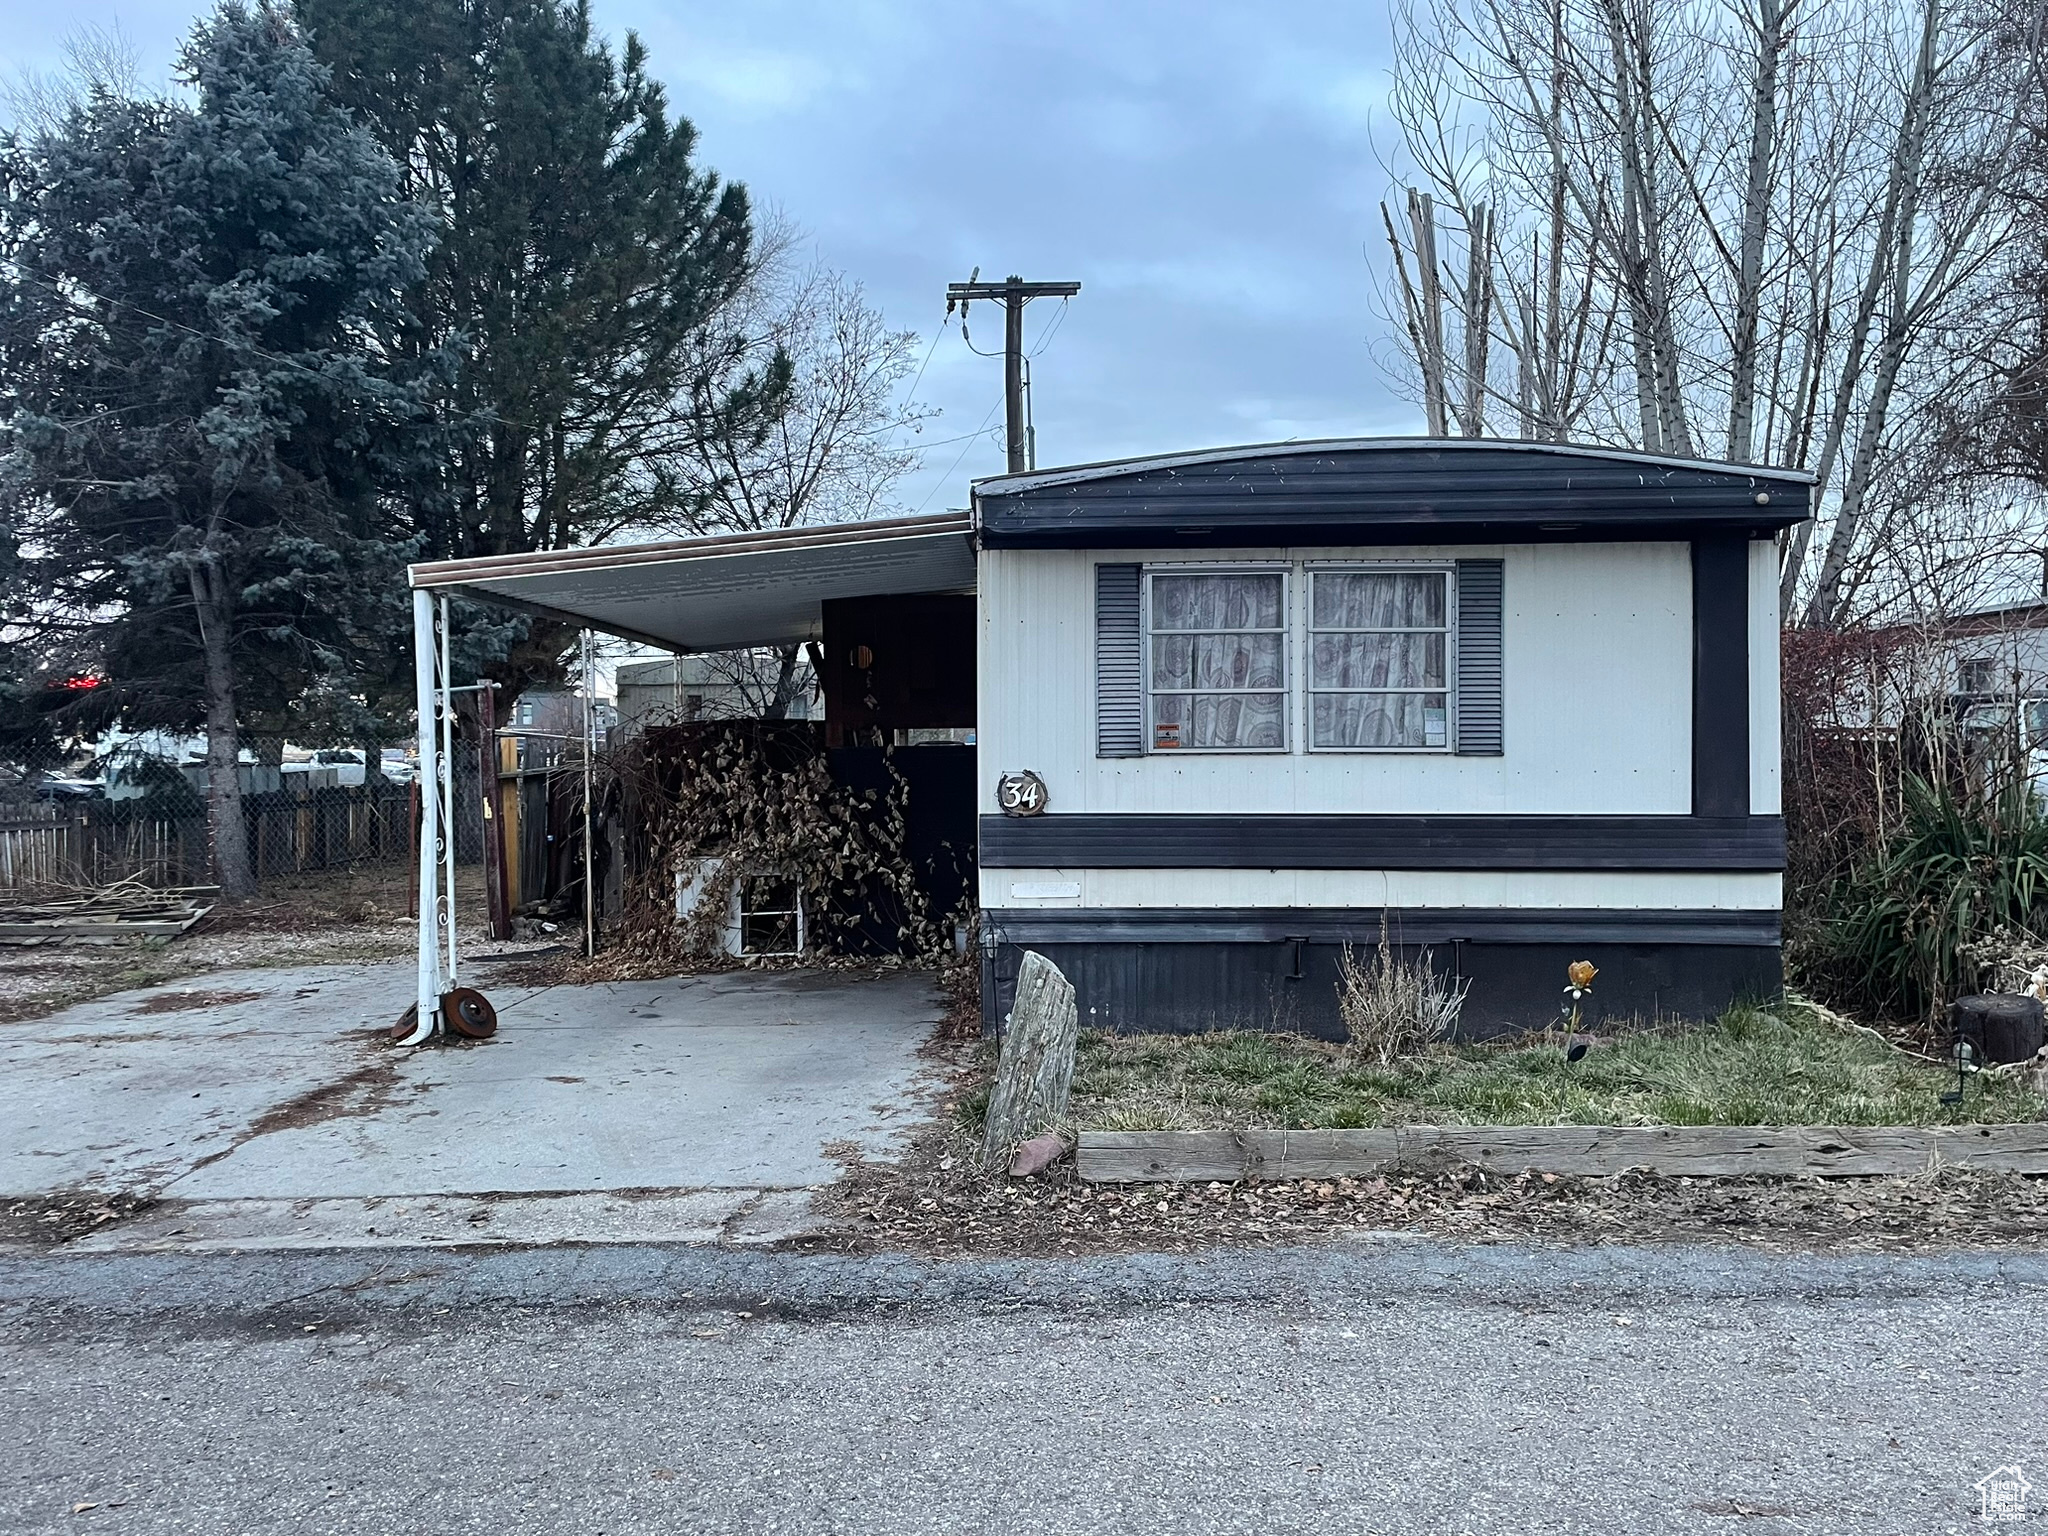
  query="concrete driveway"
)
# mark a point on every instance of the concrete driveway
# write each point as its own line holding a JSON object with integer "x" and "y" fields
{"x": 263, "y": 1109}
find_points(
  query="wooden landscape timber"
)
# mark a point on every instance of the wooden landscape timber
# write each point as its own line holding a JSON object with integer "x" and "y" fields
{"x": 1715, "y": 1151}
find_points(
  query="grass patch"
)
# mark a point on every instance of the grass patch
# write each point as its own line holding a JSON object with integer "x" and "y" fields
{"x": 1750, "y": 1067}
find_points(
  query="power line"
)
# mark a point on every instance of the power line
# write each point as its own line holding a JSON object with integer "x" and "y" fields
{"x": 911, "y": 393}
{"x": 970, "y": 341}
{"x": 219, "y": 339}
{"x": 1045, "y": 336}
{"x": 948, "y": 475}
{"x": 26, "y": 275}
{"x": 946, "y": 442}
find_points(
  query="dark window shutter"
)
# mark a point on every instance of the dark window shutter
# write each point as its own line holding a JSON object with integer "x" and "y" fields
{"x": 1479, "y": 658}
{"x": 1119, "y": 680}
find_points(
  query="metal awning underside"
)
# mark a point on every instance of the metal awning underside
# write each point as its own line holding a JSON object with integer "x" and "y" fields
{"x": 719, "y": 593}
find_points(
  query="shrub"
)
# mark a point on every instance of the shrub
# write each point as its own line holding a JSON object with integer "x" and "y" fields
{"x": 1393, "y": 1005}
{"x": 1901, "y": 929}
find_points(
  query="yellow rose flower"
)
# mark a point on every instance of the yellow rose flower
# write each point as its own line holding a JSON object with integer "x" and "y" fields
{"x": 1580, "y": 973}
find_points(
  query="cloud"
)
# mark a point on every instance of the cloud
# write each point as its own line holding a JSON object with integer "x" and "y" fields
{"x": 753, "y": 82}
{"x": 1203, "y": 167}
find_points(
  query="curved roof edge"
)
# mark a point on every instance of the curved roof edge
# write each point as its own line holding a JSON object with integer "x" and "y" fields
{"x": 1031, "y": 480}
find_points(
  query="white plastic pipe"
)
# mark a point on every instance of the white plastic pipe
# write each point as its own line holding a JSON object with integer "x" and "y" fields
{"x": 428, "y": 779}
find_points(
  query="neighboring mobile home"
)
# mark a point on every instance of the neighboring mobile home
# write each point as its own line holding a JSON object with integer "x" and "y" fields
{"x": 1231, "y": 711}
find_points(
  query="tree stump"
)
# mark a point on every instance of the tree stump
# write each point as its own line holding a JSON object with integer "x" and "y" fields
{"x": 2003, "y": 1028}
{"x": 1036, "y": 1067}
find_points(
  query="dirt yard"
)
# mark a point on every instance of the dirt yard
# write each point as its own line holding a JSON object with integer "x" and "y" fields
{"x": 333, "y": 917}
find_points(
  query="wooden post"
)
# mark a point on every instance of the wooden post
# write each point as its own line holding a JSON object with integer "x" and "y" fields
{"x": 510, "y": 809}
{"x": 1036, "y": 1068}
{"x": 494, "y": 831}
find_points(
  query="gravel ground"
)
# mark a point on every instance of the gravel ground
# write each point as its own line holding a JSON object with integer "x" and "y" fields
{"x": 1413, "y": 1388}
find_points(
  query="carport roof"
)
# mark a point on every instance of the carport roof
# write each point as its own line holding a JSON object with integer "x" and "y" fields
{"x": 720, "y": 592}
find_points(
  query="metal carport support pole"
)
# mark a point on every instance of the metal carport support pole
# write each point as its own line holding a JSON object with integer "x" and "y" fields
{"x": 589, "y": 749}
{"x": 429, "y": 780}
{"x": 445, "y": 802}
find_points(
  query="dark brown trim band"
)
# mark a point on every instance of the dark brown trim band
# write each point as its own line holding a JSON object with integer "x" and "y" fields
{"x": 1383, "y": 842}
{"x": 1361, "y": 925}
{"x": 1720, "y": 677}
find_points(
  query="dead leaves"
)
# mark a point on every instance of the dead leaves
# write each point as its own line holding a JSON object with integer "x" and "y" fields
{"x": 923, "y": 1205}
{"x": 48, "y": 1220}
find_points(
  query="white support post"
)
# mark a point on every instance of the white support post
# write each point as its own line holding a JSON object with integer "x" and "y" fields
{"x": 425, "y": 648}
{"x": 446, "y": 701}
{"x": 589, "y": 781}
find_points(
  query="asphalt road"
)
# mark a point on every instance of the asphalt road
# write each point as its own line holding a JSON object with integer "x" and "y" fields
{"x": 1404, "y": 1389}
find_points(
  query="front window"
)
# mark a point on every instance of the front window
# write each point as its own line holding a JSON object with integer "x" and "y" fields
{"x": 1379, "y": 659}
{"x": 1218, "y": 668}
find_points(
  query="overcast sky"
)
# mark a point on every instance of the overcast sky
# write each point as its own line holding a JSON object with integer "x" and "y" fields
{"x": 1206, "y": 171}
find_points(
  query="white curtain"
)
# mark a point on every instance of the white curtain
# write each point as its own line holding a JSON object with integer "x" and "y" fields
{"x": 1379, "y": 600}
{"x": 1219, "y": 661}
{"x": 1378, "y": 719}
{"x": 1379, "y": 630}
{"x": 1255, "y": 721}
{"x": 1248, "y": 600}
{"x": 1377, "y": 661}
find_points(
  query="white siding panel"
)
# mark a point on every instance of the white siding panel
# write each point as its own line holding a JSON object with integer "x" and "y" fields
{"x": 1766, "y": 751}
{"x": 1599, "y": 685}
{"x": 1200, "y": 888}
{"x": 1599, "y": 679}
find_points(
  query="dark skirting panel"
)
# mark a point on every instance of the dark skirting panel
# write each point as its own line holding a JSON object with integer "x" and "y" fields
{"x": 1175, "y": 988}
{"x": 1412, "y": 926}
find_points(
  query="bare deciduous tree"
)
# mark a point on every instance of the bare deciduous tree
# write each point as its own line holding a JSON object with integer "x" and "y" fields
{"x": 844, "y": 441}
{"x": 1766, "y": 212}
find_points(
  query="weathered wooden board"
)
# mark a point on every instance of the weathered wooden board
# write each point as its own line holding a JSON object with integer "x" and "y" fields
{"x": 1132, "y": 1157}
{"x": 86, "y": 928}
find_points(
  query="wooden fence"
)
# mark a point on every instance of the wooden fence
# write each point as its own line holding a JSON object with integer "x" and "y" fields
{"x": 296, "y": 830}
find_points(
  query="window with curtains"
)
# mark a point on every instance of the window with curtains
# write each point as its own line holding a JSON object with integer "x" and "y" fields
{"x": 1216, "y": 644}
{"x": 1368, "y": 655}
{"x": 1379, "y": 659}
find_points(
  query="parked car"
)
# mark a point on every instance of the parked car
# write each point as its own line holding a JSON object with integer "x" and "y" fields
{"x": 51, "y": 787}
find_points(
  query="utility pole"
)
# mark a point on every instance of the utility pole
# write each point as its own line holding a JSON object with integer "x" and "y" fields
{"x": 1013, "y": 294}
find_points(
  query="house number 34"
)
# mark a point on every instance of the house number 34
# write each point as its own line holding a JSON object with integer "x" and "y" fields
{"x": 1021, "y": 794}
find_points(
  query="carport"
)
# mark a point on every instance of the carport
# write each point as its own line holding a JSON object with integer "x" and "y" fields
{"x": 886, "y": 605}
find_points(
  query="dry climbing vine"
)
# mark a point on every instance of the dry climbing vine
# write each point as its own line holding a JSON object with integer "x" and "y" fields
{"x": 713, "y": 803}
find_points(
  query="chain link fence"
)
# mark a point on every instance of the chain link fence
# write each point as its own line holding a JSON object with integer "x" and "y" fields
{"x": 81, "y": 822}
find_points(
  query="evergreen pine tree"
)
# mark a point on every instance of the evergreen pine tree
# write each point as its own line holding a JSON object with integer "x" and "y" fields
{"x": 207, "y": 409}
{"x": 584, "y": 272}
